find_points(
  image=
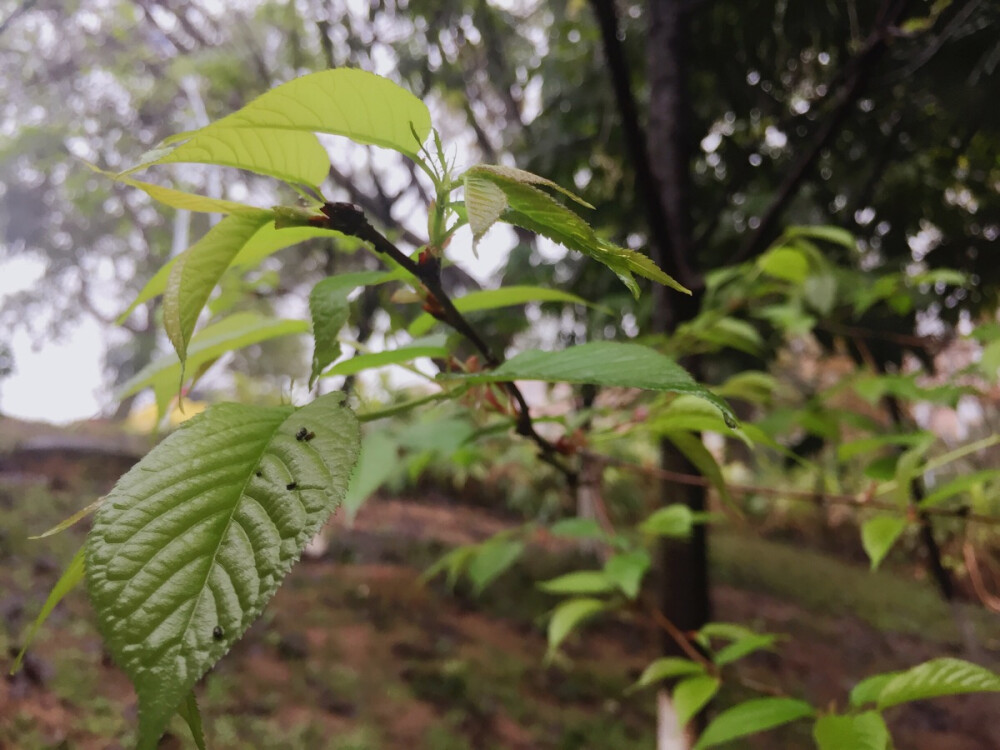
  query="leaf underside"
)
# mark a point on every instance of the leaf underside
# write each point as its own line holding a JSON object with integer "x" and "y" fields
{"x": 195, "y": 539}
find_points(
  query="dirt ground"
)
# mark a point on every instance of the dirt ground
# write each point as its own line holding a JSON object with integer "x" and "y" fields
{"x": 354, "y": 652}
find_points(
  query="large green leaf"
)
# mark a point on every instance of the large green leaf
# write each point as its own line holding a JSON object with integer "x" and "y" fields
{"x": 936, "y": 678}
{"x": 67, "y": 581}
{"x": 377, "y": 462}
{"x": 295, "y": 157}
{"x": 233, "y": 332}
{"x": 177, "y": 198}
{"x": 606, "y": 363}
{"x": 865, "y": 731}
{"x": 273, "y": 134}
{"x": 491, "y": 299}
{"x": 751, "y": 717}
{"x": 193, "y": 541}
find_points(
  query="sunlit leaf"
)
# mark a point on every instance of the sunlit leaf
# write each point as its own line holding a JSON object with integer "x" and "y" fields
{"x": 432, "y": 346}
{"x": 666, "y": 668}
{"x": 627, "y": 569}
{"x": 377, "y": 462}
{"x": 693, "y": 694}
{"x": 879, "y": 534}
{"x": 568, "y": 615}
{"x": 329, "y": 309}
{"x": 579, "y": 582}
{"x": 194, "y": 540}
{"x": 492, "y": 559}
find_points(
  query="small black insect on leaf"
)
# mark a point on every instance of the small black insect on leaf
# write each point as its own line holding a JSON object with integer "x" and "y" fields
{"x": 217, "y": 633}
{"x": 290, "y": 486}
{"x": 258, "y": 473}
{"x": 309, "y": 436}
{"x": 301, "y": 434}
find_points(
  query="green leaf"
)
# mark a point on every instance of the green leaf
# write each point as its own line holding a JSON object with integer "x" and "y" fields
{"x": 273, "y": 134}
{"x": 879, "y": 534}
{"x": 666, "y": 668}
{"x": 752, "y": 386}
{"x": 177, "y": 198}
{"x": 431, "y": 346}
{"x": 693, "y": 694}
{"x": 606, "y": 363}
{"x": 744, "y": 647}
{"x": 198, "y": 269}
{"x": 329, "y": 309}
{"x": 579, "y": 582}
{"x": 191, "y": 714}
{"x": 194, "y": 540}
{"x": 233, "y": 332}
{"x": 484, "y": 205}
{"x": 820, "y": 292}
{"x": 232, "y": 230}
{"x": 295, "y": 157}
{"x": 675, "y": 521}
{"x": 534, "y": 210}
{"x": 694, "y": 450}
{"x": 269, "y": 239}
{"x": 568, "y": 615}
{"x": 937, "y": 678}
{"x": 66, "y": 523}
{"x": 626, "y": 571}
{"x": 835, "y": 235}
{"x": 865, "y": 731}
{"x": 751, "y": 717}
{"x": 957, "y": 486}
{"x": 492, "y": 558}
{"x": 785, "y": 263}
{"x": 578, "y": 528}
{"x": 67, "y": 581}
{"x": 377, "y": 462}
{"x": 868, "y": 690}
{"x": 494, "y": 171}
{"x": 491, "y": 299}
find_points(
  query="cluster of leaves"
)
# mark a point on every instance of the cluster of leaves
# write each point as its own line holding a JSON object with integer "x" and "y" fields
{"x": 191, "y": 544}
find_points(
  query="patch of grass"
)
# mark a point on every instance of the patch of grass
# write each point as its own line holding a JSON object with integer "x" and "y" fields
{"x": 824, "y": 585}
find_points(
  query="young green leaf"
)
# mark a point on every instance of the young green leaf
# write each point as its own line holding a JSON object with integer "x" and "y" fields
{"x": 377, "y": 462}
{"x": 626, "y": 570}
{"x": 67, "y": 522}
{"x": 234, "y": 230}
{"x": 191, "y": 714}
{"x": 579, "y": 582}
{"x": 751, "y": 717}
{"x": 674, "y": 521}
{"x": 233, "y": 332}
{"x": 606, "y": 363}
{"x": 484, "y": 205}
{"x": 274, "y": 134}
{"x": 67, "y": 581}
{"x": 431, "y": 346}
{"x": 693, "y": 694}
{"x": 198, "y": 269}
{"x": 491, "y": 560}
{"x": 868, "y": 690}
{"x": 865, "y": 731}
{"x": 295, "y": 157}
{"x": 513, "y": 174}
{"x": 936, "y": 678}
{"x": 194, "y": 540}
{"x": 492, "y": 299}
{"x": 879, "y": 534}
{"x": 329, "y": 309}
{"x": 578, "y": 528}
{"x": 568, "y": 615}
{"x": 176, "y": 198}
{"x": 666, "y": 668}
{"x": 744, "y": 647}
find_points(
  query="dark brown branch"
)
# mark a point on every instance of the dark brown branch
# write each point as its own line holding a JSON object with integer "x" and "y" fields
{"x": 351, "y": 220}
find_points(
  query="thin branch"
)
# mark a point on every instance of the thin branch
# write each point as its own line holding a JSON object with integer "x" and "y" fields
{"x": 860, "y": 70}
{"x": 351, "y": 220}
{"x": 817, "y": 498}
